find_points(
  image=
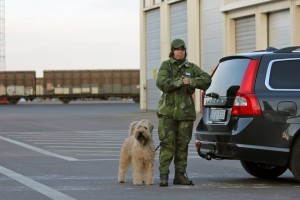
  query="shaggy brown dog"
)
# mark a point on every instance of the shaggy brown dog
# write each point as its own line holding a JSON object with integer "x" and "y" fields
{"x": 138, "y": 150}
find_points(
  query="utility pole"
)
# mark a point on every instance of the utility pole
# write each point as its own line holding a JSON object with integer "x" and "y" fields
{"x": 2, "y": 36}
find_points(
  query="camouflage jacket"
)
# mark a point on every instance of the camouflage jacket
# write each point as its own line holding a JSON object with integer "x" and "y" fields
{"x": 176, "y": 101}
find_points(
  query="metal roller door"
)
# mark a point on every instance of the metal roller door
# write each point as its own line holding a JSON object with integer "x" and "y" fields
{"x": 212, "y": 34}
{"x": 179, "y": 21}
{"x": 245, "y": 40}
{"x": 152, "y": 57}
{"x": 279, "y": 29}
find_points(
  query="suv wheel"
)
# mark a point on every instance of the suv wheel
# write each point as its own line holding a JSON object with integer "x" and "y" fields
{"x": 294, "y": 159}
{"x": 262, "y": 170}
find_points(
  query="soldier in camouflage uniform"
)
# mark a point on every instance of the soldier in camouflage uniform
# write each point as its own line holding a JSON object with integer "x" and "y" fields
{"x": 177, "y": 79}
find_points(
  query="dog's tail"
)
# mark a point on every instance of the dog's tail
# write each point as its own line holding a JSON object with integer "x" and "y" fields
{"x": 132, "y": 127}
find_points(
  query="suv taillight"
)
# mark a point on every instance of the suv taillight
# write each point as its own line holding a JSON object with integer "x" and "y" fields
{"x": 246, "y": 102}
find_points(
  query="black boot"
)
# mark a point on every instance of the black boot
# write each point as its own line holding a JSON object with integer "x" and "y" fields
{"x": 181, "y": 179}
{"x": 164, "y": 180}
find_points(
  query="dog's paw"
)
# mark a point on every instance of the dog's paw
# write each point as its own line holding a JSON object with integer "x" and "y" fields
{"x": 151, "y": 183}
{"x": 121, "y": 180}
{"x": 138, "y": 183}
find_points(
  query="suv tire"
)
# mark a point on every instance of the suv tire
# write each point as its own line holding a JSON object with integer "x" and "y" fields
{"x": 294, "y": 159}
{"x": 262, "y": 170}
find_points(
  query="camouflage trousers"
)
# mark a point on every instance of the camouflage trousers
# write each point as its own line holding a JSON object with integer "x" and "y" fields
{"x": 175, "y": 137}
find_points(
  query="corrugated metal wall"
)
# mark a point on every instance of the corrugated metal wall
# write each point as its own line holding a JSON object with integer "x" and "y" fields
{"x": 279, "y": 29}
{"x": 179, "y": 21}
{"x": 211, "y": 34}
{"x": 153, "y": 57}
{"x": 245, "y": 37}
{"x": 214, "y": 15}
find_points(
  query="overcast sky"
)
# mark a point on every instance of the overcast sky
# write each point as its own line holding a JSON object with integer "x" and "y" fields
{"x": 72, "y": 34}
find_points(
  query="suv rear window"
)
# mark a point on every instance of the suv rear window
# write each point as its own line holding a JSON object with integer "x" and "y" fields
{"x": 284, "y": 75}
{"x": 229, "y": 74}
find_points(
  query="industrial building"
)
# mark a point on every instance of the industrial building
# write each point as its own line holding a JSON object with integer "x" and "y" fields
{"x": 211, "y": 30}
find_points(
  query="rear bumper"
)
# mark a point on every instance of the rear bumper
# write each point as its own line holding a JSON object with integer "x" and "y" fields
{"x": 249, "y": 138}
{"x": 223, "y": 150}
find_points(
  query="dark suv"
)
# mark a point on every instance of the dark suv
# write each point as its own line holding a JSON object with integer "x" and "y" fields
{"x": 252, "y": 112}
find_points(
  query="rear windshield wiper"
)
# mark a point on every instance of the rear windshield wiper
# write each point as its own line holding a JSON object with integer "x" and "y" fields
{"x": 213, "y": 95}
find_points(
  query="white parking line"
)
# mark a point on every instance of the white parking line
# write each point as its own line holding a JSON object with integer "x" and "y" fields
{"x": 43, "y": 189}
{"x": 38, "y": 149}
{"x": 77, "y": 147}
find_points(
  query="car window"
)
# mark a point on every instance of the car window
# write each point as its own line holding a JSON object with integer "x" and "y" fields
{"x": 285, "y": 74}
{"x": 228, "y": 77}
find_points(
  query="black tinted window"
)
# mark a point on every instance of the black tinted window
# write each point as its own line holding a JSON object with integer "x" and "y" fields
{"x": 285, "y": 74}
{"x": 228, "y": 77}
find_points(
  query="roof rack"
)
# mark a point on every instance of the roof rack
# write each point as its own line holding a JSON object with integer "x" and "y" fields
{"x": 287, "y": 49}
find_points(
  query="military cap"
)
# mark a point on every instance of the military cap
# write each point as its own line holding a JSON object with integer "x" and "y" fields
{"x": 177, "y": 43}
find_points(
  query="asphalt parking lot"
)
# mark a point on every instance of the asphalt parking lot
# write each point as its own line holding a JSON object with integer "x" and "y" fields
{"x": 64, "y": 152}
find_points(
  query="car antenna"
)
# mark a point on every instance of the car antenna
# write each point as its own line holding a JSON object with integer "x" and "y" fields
{"x": 271, "y": 49}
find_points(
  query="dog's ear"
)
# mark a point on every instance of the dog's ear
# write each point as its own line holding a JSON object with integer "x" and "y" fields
{"x": 132, "y": 127}
{"x": 151, "y": 126}
{"x": 149, "y": 123}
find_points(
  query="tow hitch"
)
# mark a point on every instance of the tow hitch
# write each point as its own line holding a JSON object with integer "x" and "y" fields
{"x": 208, "y": 155}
